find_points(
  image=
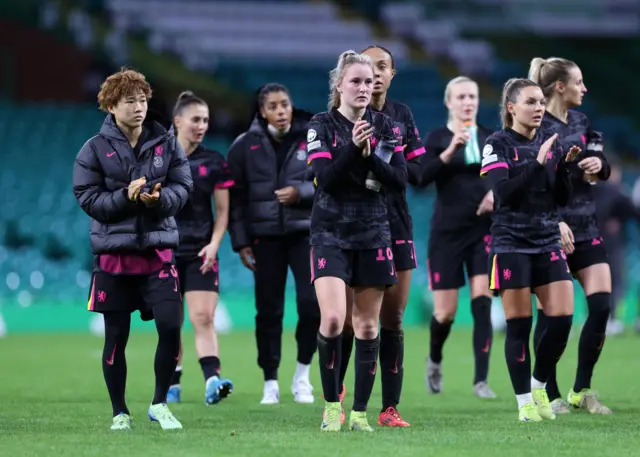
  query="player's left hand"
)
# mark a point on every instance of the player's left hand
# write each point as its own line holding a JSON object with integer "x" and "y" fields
{"x": 152, "y": 198}
{"x": 208, "y": 255}
{"x": 287, "y": 195}
{"x": 486, "y": 205}
{"x": 590, "y": 165}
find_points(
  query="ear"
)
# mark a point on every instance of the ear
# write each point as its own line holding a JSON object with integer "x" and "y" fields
{"x": 510, "y": 108}
{"x": 393, "y": 73}
{"x": 176, "y": 121}
{"x": 559, "y": 86}
{"x": 112, "y": 110}
{"x": 262, "y": 113}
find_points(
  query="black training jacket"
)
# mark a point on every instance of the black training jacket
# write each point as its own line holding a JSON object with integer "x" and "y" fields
{"x": 103, "y": 169}
{"x": 255, "y": 211}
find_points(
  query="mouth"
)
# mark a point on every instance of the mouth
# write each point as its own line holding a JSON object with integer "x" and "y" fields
{"x": 137, "y": 118}
{"x": 199, "y": 136}
{"x": 537, "y": 118}
{"x": 361, "y": 99}
{"x": 282, "y": 123}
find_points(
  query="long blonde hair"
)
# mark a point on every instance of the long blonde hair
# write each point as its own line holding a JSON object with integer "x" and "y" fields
{"x": 546, "y": 72}
{"x": 345, "y": 60}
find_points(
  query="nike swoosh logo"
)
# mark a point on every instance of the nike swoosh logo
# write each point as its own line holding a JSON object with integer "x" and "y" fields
{"x": 486, "y": 347}
{"x": 374, "y": 369}
{"x": 523, "y": 356}
{"x": 113, "y": 354}
{"x": 111, "y": 154}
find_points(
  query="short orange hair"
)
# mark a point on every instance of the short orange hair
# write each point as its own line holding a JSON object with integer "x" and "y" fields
{"x": 124, "y": 83}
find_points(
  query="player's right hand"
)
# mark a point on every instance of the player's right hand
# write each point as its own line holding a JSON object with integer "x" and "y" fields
{"x": 361, "y": 132}
{"x": 566, "y": 236}
{"x": 459, "y": 139}
{"x": 543, "y": 153}
{"x": 135, "y": 186}
{"x": 248, "y": 259}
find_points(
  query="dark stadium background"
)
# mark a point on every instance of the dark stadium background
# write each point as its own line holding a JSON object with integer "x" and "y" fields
{"x": 54, "y": 54}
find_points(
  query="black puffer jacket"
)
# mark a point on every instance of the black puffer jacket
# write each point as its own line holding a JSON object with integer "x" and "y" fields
{"x": 255, "y": 210}
{"x": 103, "y": 169}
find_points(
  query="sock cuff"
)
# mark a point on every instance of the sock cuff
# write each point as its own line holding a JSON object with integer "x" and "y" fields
{"x": 392, "y": 334}
{"x": 481, "y": 301}
{"x": 560, "y": 320}
{"x": 328, "y": 339}
{"x": 375, "y": 342}
{"x": 517, "y": 320}
{"x": 599, "y": 301}
{"x": 435, "y": 322}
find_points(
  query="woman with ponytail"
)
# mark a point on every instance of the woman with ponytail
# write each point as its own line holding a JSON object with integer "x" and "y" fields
{"x": 270, "y": 212}
{"x": 356, "y": 160}
{"x": 563, "y": 85}
{"x": 200, "y": 238}
{"x": 459, "y": 233}
{"x": 530, "y": 177}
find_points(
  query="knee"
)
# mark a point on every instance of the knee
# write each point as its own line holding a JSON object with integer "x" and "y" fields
{"x": 201, "y": 318}
{"x": 168, "y": 322}
{"x": 392, "y": 321}
{"x": 444, "y": 315}
{"x": 481, "y": 308}
{"x": 599, "y": 305}
{"x": 365, "y": 328}
{"x": 332, "y": 323}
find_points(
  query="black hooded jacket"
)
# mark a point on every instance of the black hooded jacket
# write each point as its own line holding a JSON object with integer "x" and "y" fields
{"x": 258, "y": 172}
{"x": 103, "y": 169}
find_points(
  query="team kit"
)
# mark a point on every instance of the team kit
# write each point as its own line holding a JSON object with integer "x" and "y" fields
{"x": 325, "y": 196}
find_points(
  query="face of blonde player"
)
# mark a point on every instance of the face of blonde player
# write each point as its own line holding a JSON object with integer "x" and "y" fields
{"x": 383, "y": 71}
{"x": 573, "y": 92}
{"x": 192, "y": 123}
{"x": 130, "y": 111}
{"x": 463, "y": 101}
{"x": 277, "y": 110}
{"x": 528, "y": 108}
{"x": 356, "y": 86}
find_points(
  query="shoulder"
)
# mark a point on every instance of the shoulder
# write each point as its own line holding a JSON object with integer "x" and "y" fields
{"x": 403, "y": 112}
{"x": 241, "y": 140}
{"x": 495, "y": 142}
{"x": 320, "y": 118}
{"x": 578, "y": 118}
{"x": 434, "y": 137}
{"x": 93, "y": 145}
{"x": 209, "y": 155}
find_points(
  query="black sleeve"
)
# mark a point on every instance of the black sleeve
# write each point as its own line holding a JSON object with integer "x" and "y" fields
{"x": 329, "y": 173}
{"x": 88, "y": 187}
{"x": 506, "y": 190}
{"x": 392, "y": 174}
{"x": 414, "y": 151}
{"x": 563, "y": 186}
{"x": 595, "y": 148}
{"x": 430, "y": 161}
{"x": 239, "y": 196}
{"x": 175, "y": 191}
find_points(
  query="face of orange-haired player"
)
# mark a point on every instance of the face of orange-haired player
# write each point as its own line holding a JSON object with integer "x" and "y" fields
{"x": 131, "y": 110}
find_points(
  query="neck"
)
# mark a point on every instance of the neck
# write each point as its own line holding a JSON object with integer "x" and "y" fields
{"x": 132, "y": 134}
{"x": 353, "y": 114}
{"x": 524, "y": 131}
{"x": 378, "y": 101}
{"x": 558, "y": 109}
{"x": 277, "y": 134}
{"x": 187, "y": 146}
{"x": 455, "y": 125}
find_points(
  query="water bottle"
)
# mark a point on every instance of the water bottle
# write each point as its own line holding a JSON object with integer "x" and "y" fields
{"x": 384, "y": 150}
